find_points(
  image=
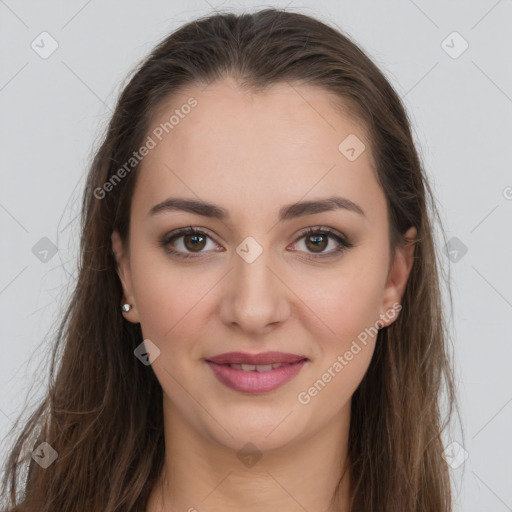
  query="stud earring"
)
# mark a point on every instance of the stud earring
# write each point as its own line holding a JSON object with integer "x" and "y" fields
{"x": 126, "y": 307}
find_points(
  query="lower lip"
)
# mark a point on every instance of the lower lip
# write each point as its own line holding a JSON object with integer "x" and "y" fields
{"x": 255, "y": 382}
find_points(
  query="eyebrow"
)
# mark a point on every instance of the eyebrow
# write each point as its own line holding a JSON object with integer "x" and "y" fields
{"x": 287, "y": 212}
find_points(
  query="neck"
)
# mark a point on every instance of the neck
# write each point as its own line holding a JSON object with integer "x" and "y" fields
{"x": 201, "y": 474}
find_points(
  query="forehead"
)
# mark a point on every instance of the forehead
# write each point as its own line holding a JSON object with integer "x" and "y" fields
{"x": 270, "y": 147}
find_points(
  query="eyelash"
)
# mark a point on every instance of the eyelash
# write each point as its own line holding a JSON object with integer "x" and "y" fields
{"x": 343, "y": 242}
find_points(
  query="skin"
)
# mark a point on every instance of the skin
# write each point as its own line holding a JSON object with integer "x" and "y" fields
{"x": 218, "y": 302}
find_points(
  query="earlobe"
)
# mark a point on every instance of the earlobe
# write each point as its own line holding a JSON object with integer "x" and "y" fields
{"x": 399, "y": 274}
{"x": 123, "y": 271}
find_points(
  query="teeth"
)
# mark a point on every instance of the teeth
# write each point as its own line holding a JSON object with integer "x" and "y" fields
{"x": 257, "y": 367}
{"x": 263, "y": 367}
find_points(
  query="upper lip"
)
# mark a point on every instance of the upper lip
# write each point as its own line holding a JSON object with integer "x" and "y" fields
{"x": 255, "y": 359}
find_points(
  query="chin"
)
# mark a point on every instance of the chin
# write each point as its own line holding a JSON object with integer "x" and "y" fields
{"x": 272, "y": 432}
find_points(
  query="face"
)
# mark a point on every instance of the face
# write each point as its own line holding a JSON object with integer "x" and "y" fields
{"x": 254, "y": 280}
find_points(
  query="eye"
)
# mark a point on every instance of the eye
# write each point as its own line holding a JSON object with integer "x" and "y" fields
{"x": 195, "y": 240}
{"x": 316, "y": 239}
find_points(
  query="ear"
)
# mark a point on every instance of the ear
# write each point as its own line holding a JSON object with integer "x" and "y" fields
{"x": 124, "y": 273}
{"x": 398, "y": 276}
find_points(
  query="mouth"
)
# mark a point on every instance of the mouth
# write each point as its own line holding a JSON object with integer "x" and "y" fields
{"x": 257, "y": 367}
{"x": 256, "y": 373}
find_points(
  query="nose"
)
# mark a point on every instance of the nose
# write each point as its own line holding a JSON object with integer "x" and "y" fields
{"x": 255, "y": 297}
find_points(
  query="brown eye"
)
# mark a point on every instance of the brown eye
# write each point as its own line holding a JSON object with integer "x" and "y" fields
{"x": 318, "y": 242}
{"x": 186, "y": 242}
{"x": 194, "y": 242}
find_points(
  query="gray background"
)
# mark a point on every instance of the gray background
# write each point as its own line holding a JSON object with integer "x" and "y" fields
{"x": 54, "y": 109}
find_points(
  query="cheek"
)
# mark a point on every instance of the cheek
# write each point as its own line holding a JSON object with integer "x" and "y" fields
{"x": 332, "y": 389}
{"x": 162, "y": 292}
{"x": 174, "y": 303}
{"x": 350, "y": 301}
{"x": 349, "y": 307}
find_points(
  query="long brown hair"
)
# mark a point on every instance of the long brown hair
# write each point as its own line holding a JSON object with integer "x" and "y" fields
{"x": 103, "y": 409}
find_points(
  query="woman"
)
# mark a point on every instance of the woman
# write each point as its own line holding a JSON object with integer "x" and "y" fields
{"x": 257, "y": 322}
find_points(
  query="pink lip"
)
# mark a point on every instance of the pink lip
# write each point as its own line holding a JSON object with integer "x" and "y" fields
{"x": 254, "y": 381}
